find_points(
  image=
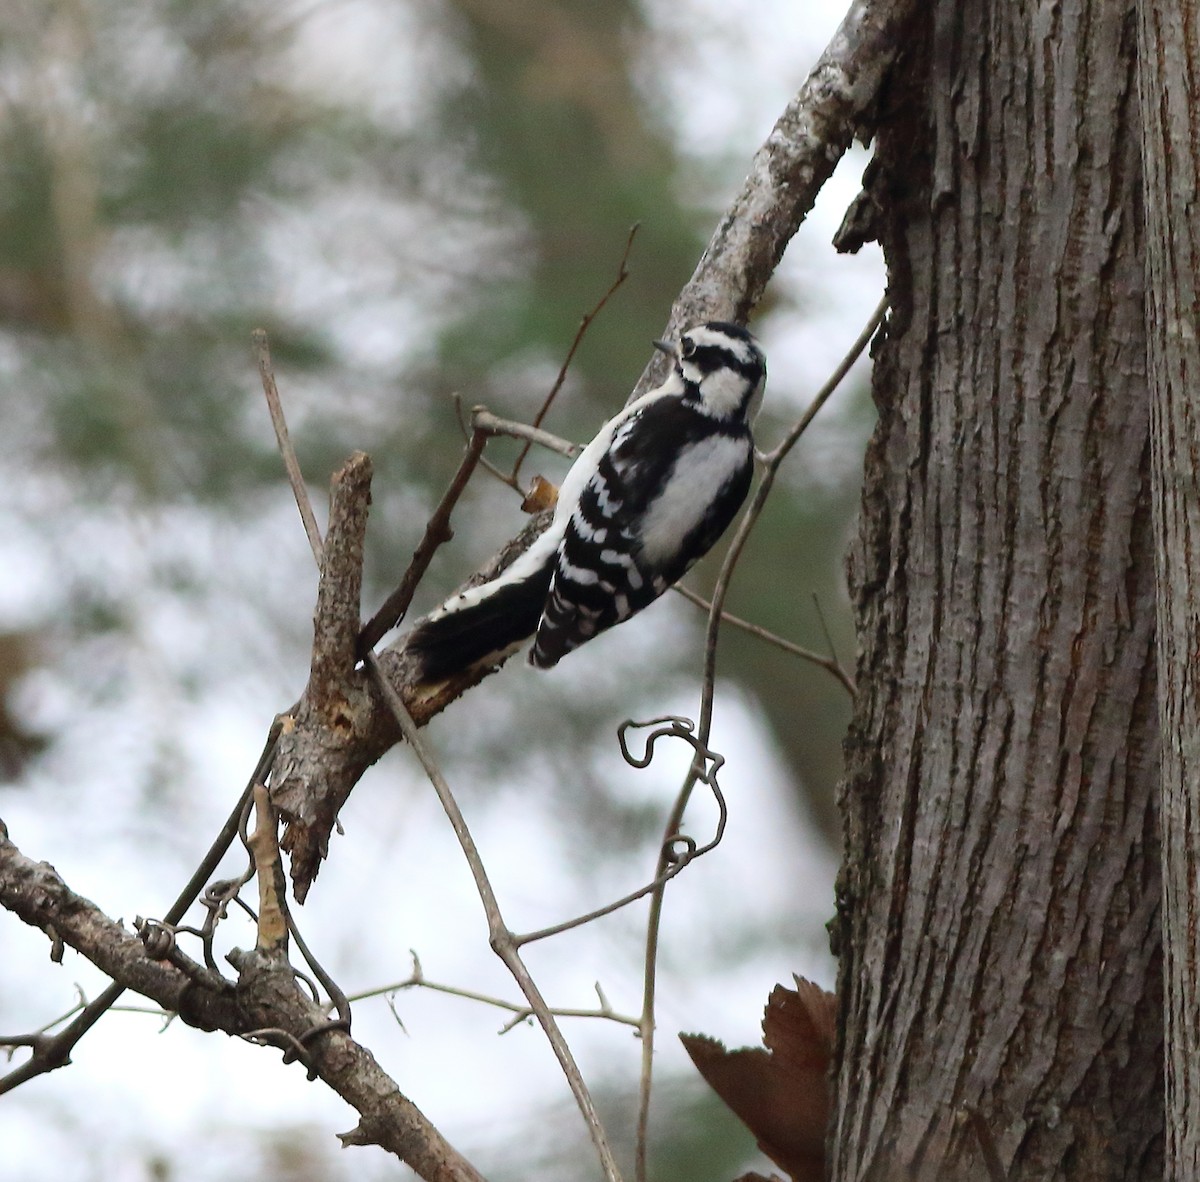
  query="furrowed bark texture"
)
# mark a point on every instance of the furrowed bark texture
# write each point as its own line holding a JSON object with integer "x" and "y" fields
{"x": 1169, "y": 53}
{"x": 998, "y": 906}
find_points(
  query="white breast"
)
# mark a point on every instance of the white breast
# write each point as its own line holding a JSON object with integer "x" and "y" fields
{"x": 698, "y": 476}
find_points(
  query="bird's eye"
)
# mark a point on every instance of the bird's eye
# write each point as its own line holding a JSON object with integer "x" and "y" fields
{"x": 686, "y": 346}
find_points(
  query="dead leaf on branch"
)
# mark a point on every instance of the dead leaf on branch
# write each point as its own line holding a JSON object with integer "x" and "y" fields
{"x": 780, "y": 1093}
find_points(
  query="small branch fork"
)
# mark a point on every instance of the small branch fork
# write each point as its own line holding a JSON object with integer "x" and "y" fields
{"x": 521, "y": 1013}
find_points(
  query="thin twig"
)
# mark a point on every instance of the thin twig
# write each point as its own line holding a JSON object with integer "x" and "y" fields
{"x": 833, "y": 657}
{"x": 337, "y": 997}
{"x": 263, "y": 844}
{"x": 56, "y": 1051}
{"x": 417, "y": 979}
{"x": 482, "y": 419}
{"x": 295, "y": 479}
{"x": 679, "y": 851}
{"x": 467, "y": 431}
{"x": 500, "y": 936}
{"x": 437, "y": 531}
{"x": 673, "y": 868}
{"x": 771, "y": 465}
{"x": 584, "y": 324}
{"x": 775, "y": 457}
{"x": 829, "y": 664}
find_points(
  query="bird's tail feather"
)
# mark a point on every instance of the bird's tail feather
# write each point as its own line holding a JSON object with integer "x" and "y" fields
{"x": 451, "y": 640}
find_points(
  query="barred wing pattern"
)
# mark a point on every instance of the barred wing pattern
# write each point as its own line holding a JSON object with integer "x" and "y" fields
{"x": 642, "y": 520}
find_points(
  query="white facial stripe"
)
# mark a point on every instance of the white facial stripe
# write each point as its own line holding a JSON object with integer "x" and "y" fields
{"x": 740, "y": 349}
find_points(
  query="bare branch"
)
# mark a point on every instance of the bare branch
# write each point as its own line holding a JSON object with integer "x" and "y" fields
{"x": 339, "y": 594}
{"x": 584, "y": 325}
{"x": 267, "y": 373}
{"x": 272, "y": 885}
{"x": 830, "y": 664}
{"x": 835, "y": 103}
{"x": 418, "y": 980}
{"x": 502, "y": 939}
{"x": 55, "y": 1051}
{"x": 483, "y": 420}
{"x": 265, "y": 999}
{"x": 34, "y": 892}
{"x": 775, "y": 457}
{"x": 437, "y": 531}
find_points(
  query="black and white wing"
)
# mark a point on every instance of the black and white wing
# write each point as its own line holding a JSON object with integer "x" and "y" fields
{"x": 661, "y": 495}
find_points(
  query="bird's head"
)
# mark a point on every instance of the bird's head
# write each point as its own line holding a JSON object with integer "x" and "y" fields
{"x": 722, "y": 365}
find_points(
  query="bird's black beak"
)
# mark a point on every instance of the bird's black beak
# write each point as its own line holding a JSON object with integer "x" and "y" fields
{"x": 665, "y": 347}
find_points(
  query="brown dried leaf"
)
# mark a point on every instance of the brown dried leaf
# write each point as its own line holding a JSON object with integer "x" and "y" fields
{"x": 542, "y": 494}
{"x": 781, "y": 1093}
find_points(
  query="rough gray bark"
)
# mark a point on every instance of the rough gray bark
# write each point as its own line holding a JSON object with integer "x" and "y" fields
{"x": 1169, "y": 59}
{"x": 998, "y": 907}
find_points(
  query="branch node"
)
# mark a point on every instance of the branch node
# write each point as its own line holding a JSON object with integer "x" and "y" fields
{"x": 57, "y": 947}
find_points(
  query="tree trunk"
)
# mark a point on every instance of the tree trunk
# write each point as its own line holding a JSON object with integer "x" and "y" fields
{"x": 1000, "y": 977}
{"x": 1169, "y": 55}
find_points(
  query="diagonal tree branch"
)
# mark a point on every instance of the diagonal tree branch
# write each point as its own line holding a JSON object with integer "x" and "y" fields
{"x": 35, "y": 893}
{"x": 836, "y": 103}
{"x": 265, "y": 1000}
{"x": 318, "y": 766}
{"x": 54, "y": 1051}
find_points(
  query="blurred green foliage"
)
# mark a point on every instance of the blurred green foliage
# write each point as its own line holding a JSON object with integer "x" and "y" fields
{"x": 172, "y": 177}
